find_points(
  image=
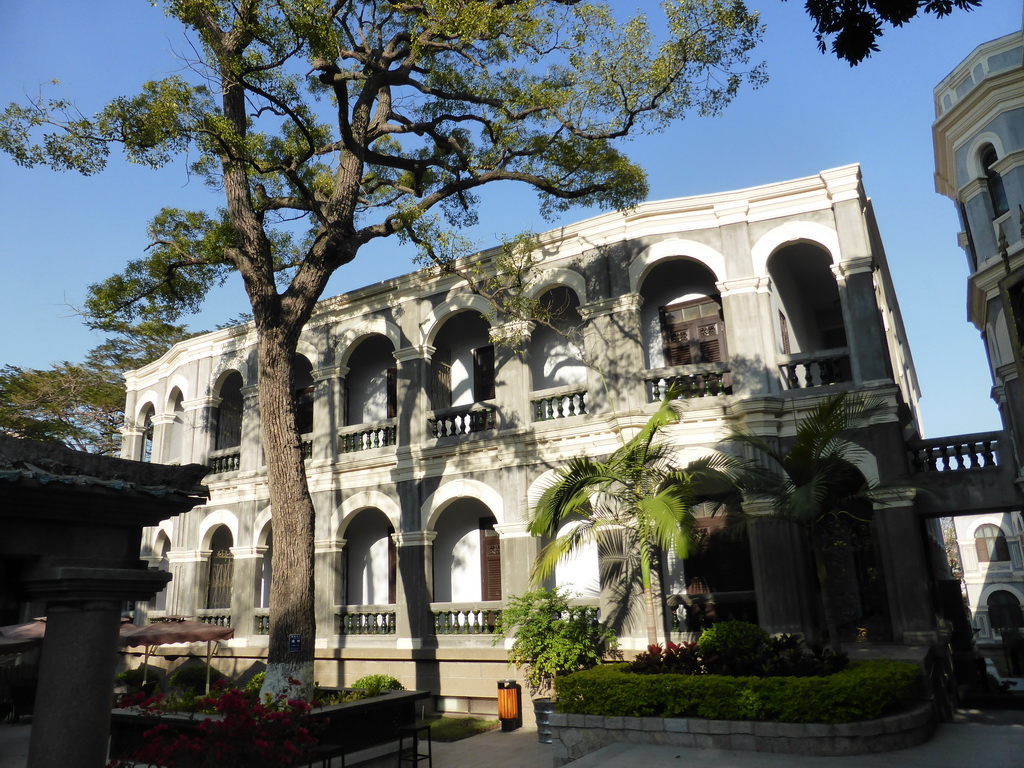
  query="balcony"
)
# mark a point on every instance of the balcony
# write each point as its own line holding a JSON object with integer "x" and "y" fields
{"x": 365, "y": 620}
{"x": 224, "y": 460}
{"x": 551, "y": 404}
{"x": 465, "y": 618}
{"x": 463, "y": 420}
{"x": 692, "y": 381}
{"x": 815, "y": 369}
{"x": 364, "y": 437}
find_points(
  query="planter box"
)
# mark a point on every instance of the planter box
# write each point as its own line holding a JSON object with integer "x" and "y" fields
{"x": 354, "y": 725}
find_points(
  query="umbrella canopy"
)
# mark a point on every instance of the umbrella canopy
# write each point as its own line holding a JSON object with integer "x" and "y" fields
{"x": 16, "y": 638}
{"x": 184, "y": 631}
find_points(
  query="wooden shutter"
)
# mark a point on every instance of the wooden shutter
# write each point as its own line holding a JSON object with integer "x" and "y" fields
{"x": 392, "y": 394}
{"x": 441, "y": 379}
{"x": 693, "y": 332}
{"x": 483, "y": 373}
{"x": 490, "y": 561}
{"x": 218, "y": 594}
{"x": 392, "y": 568}
{"x": 784, "y": 330}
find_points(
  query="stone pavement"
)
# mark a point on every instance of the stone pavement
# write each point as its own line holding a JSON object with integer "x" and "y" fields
{"x": 971, "y": 742}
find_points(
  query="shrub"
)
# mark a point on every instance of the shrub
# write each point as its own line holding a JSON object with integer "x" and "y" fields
{"x": 375, "y": 685}
{"x": 675, "y": 659}
{"x": 863, "y": 691}
{"x": 192, "y": 678}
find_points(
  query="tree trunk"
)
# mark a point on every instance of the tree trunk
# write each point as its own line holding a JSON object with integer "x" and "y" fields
{"x": 292, "y": 617}
{"x": 826, "y": 599}
{"x": 649, "y": 613}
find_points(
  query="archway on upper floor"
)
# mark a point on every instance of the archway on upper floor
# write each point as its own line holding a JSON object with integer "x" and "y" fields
{"x": 228, "y": 416}
{"x": 681, "y": 318}
{"x": 370, "y": 559}
{"x": 175, "y": 449}
{"x": 371, "y": 385}
{"x": 265, "y": 568}
{"x": 220, "y": 572}
{"x": 304, "y": 394}
{"x": 556, "y": 359}
{"x": 466, "y": 553}
{"x": 161, "y": 550}
{"x": 806, "y": 307}
{"x": 462, "y": 364}
{"x": 146, "y": 422}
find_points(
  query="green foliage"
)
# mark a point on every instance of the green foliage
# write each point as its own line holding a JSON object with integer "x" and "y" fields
{"x": 864, "y": 691}
{"x": 131, "y": 679}
{"x": 375, "y": 685}
{"x": 450, "y": 729}
{"x": 191, "y": 678}
{"x": 551, "y": 637}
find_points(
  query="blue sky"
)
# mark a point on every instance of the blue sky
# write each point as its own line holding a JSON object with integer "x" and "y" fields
{"x": 61, "y": 232}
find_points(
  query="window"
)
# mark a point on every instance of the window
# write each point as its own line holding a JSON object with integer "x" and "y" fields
{"x": 1004, "y": 611}
{"x": 693, "y": 332}
{"x": 229, "y": 414}
{"x": 990, "y": 544}
{"x": 218, "y": 588}
{"x": 490, "y": 561}
{"x": 994, "y": 182}
{"x": 441, "y": 379}
{"x": 483, "y": 373}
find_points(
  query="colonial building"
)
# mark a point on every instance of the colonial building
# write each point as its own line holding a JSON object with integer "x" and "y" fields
{"x": 979, "y": 157}
{"x": 428, "y": 436}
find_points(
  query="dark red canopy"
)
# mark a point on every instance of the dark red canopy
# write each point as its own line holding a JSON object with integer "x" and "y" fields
{"x": 184, "y": 631}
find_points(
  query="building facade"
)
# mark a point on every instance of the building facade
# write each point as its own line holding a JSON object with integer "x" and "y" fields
{"x": 428, "y": 435}
{"x": 979, "y": 156}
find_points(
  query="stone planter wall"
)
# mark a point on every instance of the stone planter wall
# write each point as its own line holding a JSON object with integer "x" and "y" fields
{"x": 578, "y": 735}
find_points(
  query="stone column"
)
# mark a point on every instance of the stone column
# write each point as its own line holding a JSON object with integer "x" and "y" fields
{"x": 749, "y": 326}
{"x": 518, "y": 551}
{"x": 869, "y": 354}
{"x": 161, "y": 433}
{"x": 415, "y": 589}
{"x": 184, "y": 595}
{"x": 328, "y": 417}
{"x": 71, "y": 724}
{"x": 904, "y": 562}
{"x": 783, "y": 576}
{"x": 613, "y": 345}
{"x": 131, "y": 442}
{"x": 199, "y": 420}
{"x": 330, "y": 584}
{"x": 243, "y": 589}
{"x": 512, "y": 373}
{"x": 413, "y": 397}
{"x": 251, "y": 450}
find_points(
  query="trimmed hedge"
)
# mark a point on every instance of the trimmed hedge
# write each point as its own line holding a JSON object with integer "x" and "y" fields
{"x": 863, "y": 691}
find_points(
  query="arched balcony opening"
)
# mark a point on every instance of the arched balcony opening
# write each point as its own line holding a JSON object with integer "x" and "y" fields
{"x": 462, "y": 376}
{"x": 467, "y": 569}
{"x": 220, "y": 575}
{"x": 684, "y": 331}
{"x": 1004, "y": 611}
{"x": 371, "y": 396}
{"x": 160, "y": 551}
{"x": 175, "y": 452}
{"x": 809, "y": 330}
{"x": 557, "y": 371}
{"x": 146, "y": 420}
{"x": 993, "y": 181}
{"x": 228, "y": 425}
{"x": 304, "y": 397}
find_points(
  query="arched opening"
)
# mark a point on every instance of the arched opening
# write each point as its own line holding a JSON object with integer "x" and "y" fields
{"x": 176, "y": 432}
{"x": 229, "y": 413}
{"x": 221, "y": 569}
{"x": 371, "y": 385}
{"x": 990, "y": 544}
{"x": 556, "y": 359}
{"x": 147, "y": 434}
{"x": 163, "y": 547}
{"x": 1004, "y": 611}
{"x": 304, "y": 395}
{"x": 462, "y": 365}
{"x": 467, "y": 554}
{"x": 265, "y": 572}
{"x": 579, "y": 572}
{"x": 681, "y": 316}
{"x": 993, "y": 181}
{"x": 371, "y": 560}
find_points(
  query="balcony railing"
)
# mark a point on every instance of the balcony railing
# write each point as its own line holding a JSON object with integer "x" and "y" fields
{"x": 261, "y": 624}
{"x": 690, "y": 383}
{"x": 225, "y": 460}
{"x": 307, "y": 446}
{"x": 365, "y": 620}
{"x": 462, "y": 421}
{"x": 464, "y": 618}
{"x": 559, "y": 405}
{"x": 215, "y": 616}
{"x": 815, "y": 369}
{"x": 364, "y": 437}
{"x": 953, "y": 454}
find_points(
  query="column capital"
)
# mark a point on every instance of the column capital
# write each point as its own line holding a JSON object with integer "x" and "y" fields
{"x": 761, "y": 284}
{"x": 624, "y": 303}
{"x": 200, "y": 402}
{"x": 421, "y": 352}
{"x": 330, "y": 372}
{"x": 855, "y": 266}
{"x": 414, "y": 538}
{"x": 511, "y": 333}
{"x": 250, "y": 391}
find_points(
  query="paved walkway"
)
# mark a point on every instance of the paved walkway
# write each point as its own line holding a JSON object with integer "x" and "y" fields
{"x": 957, "y": 745}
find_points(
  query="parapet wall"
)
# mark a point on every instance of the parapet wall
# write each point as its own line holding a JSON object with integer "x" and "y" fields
{"x": 575, "y": 736}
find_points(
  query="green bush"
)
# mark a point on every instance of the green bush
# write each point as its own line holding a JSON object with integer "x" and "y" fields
{"x": 375, "y": 685}
{"x": 132, "y": 679}
{"x": 863, "y": 691}
{"x": 192, "y": 678}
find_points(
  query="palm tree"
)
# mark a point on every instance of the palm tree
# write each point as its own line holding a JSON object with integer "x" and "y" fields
{"x": 637, "y": 500}
{"x": 816, "y": 483}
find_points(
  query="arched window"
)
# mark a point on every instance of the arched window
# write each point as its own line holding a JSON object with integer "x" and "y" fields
{"x": 222, "y": 566}
{"x": 147, "y": 435}
{"x": 990, "y": 544}
{"x": 994, "y": 182}
{"x": 1004, "y": 611}
{"x": 304, "y": 395}
{"x": 229, "y": 413}
{"x": 176, "y": 433}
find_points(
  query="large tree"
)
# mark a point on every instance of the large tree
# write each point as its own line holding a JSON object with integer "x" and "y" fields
{"x": 329, "y": 124}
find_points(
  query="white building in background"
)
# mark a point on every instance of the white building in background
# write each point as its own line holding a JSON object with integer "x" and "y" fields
{"x": 427, "y": 443}
{"x": 979, "y": 160}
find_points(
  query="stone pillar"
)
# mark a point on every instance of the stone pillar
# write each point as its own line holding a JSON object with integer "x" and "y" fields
{"x": 904, "y": 562}
{"x": 330, "y": 585}
{"x": 415, "y": 589}
{"x": 185, "y": 593}
{"x": 328, "y": 416}
{"x": 413, "y": 397}
{"x": 161, "y": 434}
{"x": 512, "y": 373}
{"x": 869, "y": 354}
{"x": 749, "y": 326}
{"x": 244, "y": 576}
{"x": 199, "y": 420}
{"x": 783, "y": 577}
{"x": 251, "y": 450}
{"x": 131, "y": 442}
{"x": 71, "y": 724}
{"x": 613, "y": 345}
{"x": 518, "y": 551}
